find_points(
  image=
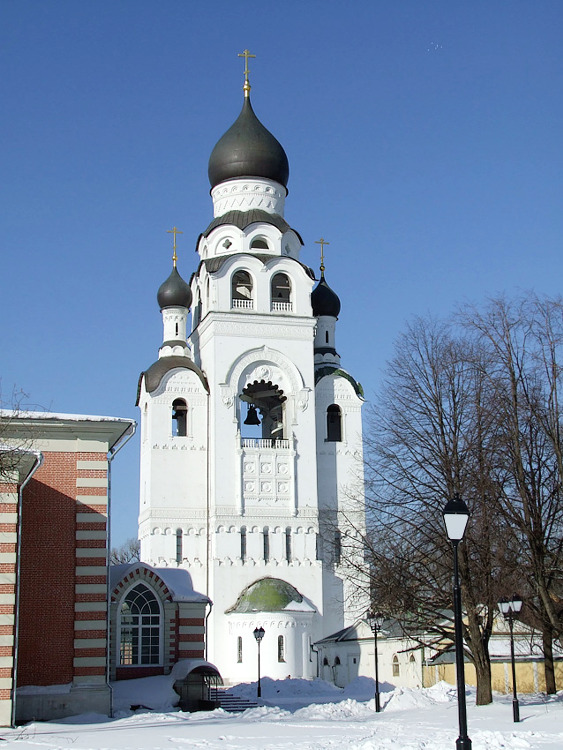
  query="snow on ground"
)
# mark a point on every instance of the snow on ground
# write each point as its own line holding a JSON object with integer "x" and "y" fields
{"x": 308, "y": 715}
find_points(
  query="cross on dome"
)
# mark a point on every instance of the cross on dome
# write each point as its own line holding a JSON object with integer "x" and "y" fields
{"x": 246, "y": 54}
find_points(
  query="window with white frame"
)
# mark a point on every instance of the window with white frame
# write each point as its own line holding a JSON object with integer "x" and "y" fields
{"x": 140, "y": 624}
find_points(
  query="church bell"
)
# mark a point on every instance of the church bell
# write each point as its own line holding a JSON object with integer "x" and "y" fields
{"x": 252, "y": 416}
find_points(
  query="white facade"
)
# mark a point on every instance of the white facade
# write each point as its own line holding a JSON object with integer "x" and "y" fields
{"x": 234, "y": 503}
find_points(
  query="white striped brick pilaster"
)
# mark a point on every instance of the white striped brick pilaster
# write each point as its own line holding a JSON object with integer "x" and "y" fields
{"x": 90, "y": 608}
{"x": 191, "y": 632}
{"x": 8, "y": 566}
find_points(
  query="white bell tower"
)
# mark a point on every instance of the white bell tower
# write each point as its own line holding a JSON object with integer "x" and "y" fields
{"x": 251, "y": 434}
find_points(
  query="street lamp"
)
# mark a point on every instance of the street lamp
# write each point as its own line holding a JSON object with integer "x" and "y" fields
{"x": 456, "y": 516}
{"x": 509, "y": 608}
{"x": 259, "y": 634}
{"x": 375, "y": 622}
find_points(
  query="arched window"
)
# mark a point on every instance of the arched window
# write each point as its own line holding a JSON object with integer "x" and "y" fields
{"x": 337, "y": 661}
{"x": 281, "y": 649}
{"x": 259, "y": 243}
{"x": 396, "y": 670}
{"x": 281, "y": 292}
{"x": 266, "y": 544}
{"x": 325, "y": 662}
{"x": 242, "y": 290}
{"x": 140, "y": 626}
{"x": 333, "y": 424}
{"x": 243, "y": 543}
{"x": 179, "y": 418}
{"x": 288, "y": 544}
{"x": 239, "y": 649}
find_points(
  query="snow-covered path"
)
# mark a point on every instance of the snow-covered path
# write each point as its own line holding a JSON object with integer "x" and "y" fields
{"x": 411, "y": 720}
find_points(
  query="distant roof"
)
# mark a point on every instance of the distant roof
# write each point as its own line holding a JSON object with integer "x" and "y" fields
{"x": 361, "y": 630}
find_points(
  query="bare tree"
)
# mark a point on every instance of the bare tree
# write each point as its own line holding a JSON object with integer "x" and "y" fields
{"x": 129, "y": 551}
{"x": 15, "y": 436}
{"x": 524, "y": 344}
{"x": 430, "y": 436}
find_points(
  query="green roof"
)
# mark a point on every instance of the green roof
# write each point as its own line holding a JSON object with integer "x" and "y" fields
{"x": 266, "y": 595}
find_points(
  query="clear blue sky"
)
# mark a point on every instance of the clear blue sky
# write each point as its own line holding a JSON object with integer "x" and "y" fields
{"x": 424, "y": 141}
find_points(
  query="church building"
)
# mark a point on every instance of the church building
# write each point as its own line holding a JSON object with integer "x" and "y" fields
{"x": 251, "y": 432}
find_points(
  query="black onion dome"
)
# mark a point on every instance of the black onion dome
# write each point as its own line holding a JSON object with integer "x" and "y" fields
{"x": 324, "y": 300}
{"x": 247, "y": 149}
{"x": 174, "y": 292}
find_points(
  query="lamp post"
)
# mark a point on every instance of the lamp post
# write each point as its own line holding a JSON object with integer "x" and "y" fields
{"x": 509, "y": 608}
{"x": 375, "y": 622}
{"x": 456, "y": 515}
{"x": 259, "y": 634}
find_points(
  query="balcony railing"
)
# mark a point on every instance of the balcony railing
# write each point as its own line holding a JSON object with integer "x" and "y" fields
{"x": 281, "y": 306}
{"x": 243, "y": 304}
{"x": 261, "y": 443}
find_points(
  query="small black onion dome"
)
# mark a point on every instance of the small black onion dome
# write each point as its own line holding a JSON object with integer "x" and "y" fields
{"x": 174, "y": 292}
{"x": 324, "y": 300}
{"x": 247, "y": 149}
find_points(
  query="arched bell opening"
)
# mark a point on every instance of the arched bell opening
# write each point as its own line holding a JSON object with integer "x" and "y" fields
{"x": 264, "y": 415}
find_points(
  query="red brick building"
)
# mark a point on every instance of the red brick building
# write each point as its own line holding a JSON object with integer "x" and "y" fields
{"x": 55, "y": 495}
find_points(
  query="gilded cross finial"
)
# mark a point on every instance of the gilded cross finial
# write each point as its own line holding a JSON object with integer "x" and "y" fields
{"x": 246, "y": 54}
{"x": 322, "y": 242}
{"x": 174, "y": 231}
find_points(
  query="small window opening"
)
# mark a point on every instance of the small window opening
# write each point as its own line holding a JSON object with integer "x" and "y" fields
{"x": 396, "y": 670}
{"x": 281, "y": 649}
{"x": 242, "y": 290}
{"x": 176, "y": 329}
{"x": 281, "y": 292}
{"x": 179, "y": 545}
{"x": 179, "y": 418}
{"x": 325, "y": 662}
{"x": 326, "y": 337}
{"x": 266, "y": 545}
{"x": 337, "y": 661}
{"x": 319, "y": 547}
{"x": 239, "y": 649}
{"x": 334, "y": 424}
{"x": 337, "y": 548}
{"x": 259, "y": 243}
{"x": 243, "y": 543}
{"x": 288, "y": 544}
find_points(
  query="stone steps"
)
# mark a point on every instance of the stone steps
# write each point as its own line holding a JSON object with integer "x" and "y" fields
{"x": 231, "y": 703}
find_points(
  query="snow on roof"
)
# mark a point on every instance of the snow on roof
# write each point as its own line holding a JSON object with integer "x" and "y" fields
{"x": 176, "y": 580}
{"x": 46, "y": 415}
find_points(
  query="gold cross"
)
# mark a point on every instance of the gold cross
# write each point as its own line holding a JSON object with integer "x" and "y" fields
{"x": 246, "y": 54}
{"x": 174, "y": 231}
{"x": 322, "y": 242}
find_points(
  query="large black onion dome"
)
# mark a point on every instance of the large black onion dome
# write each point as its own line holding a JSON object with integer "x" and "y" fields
{"x": 174, "y": 292}
{"x": 248, "y": 150}
{"x": 324, "y": 300}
